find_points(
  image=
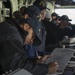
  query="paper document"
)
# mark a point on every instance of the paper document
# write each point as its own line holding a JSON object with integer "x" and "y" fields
{"x": 62, "y": 56}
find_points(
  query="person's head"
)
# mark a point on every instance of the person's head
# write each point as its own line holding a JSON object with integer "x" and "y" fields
{"x": 34, "y": 12}
{"x": 29, "y": 26}
{"x": 43, "y": 13}
{"x": 30, "y": 36}
{"x": 54, "y": 16}
{"x": 41, "y": 4}
{"x": 23, "y": 11}
{"x": 65, "y": 20}
{"x": 58, "y": 21}
{"x": 17, "y": 15}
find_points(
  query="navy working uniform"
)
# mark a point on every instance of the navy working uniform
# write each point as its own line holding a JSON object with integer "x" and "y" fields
{"x": 33, "y": 13}
{"x": 41, "y": 4}
{"x": 68, "y": 30}
{"x": 12, "y": 54}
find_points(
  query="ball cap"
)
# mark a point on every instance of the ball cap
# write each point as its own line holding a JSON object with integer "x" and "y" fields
{"x": 65, "y": 18}
{"x": 41, "y": 4}
{"x": 32, "y": 23}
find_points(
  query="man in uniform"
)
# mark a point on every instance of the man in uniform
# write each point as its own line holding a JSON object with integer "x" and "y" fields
{"x": 41, "y": 4}
{"x": 12, "y": 54}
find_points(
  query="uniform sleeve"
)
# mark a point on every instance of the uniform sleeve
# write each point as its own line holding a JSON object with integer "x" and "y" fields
{"x": 13, "y": 57}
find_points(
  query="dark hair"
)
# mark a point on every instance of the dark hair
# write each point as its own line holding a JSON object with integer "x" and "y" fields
{"x": 58, "y": 18}
{"x": 17, "y": 15}
{"x": 54, "y": 14}
{"x": 23, "y": 10}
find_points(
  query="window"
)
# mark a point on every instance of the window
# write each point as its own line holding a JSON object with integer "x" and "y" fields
{"x": 70, "y": 12}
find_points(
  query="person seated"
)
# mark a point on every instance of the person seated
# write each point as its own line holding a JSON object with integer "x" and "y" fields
{"x": 34, "y": 13}
{"x": 65, "y": 28}
{"x": 54, "y": 16}
{"x": 12, "y": 54}
{"x": 42, "y": 5}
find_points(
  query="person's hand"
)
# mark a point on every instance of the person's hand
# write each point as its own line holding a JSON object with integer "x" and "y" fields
{"x": 28, "y": 39}
{"x": 43, "y": 59}
{"x": 52, "y": 67}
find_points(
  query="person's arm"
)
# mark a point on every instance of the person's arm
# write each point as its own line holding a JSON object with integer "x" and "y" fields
{"x": 13, "y": 57}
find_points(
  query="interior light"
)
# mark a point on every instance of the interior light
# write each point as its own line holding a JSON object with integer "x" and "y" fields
{"x": 57, "y": 5}
{"x": 73, "y": 0}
